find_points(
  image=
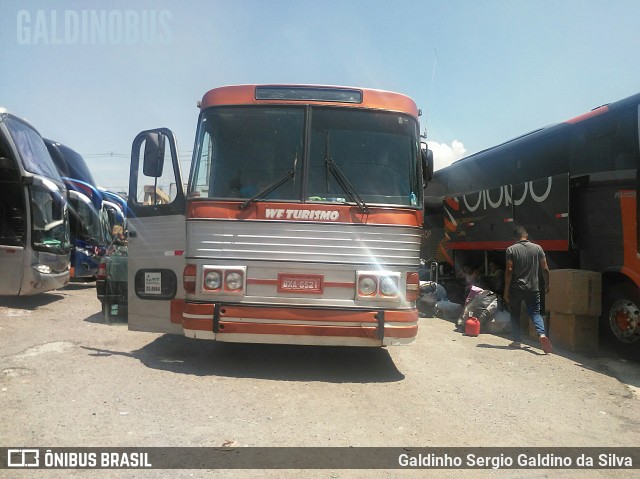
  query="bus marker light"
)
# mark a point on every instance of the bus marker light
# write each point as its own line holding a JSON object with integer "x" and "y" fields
{"x": 189, "y": 278}
{"x": 413, "y": 286}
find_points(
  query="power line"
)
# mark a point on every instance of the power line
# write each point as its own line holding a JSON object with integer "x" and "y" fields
{"x": 126, "y": 155}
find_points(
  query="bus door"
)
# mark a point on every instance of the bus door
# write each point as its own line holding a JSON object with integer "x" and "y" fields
{"x": 156, "y": 232}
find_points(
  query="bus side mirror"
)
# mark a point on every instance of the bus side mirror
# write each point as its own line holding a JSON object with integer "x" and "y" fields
{"x": 153, "y": 155}
{"x": 427, "y": 165}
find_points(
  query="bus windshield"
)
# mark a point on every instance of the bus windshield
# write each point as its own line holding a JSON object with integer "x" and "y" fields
{"x": 89, "y": 224}
{"x": 244, "y": 151}
{"x": 49, "y": 220}
{"x": 34, "y": 153}
{"x": 69, "y": 163}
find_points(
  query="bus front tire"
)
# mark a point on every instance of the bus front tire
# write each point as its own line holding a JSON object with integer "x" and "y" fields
{"x": 620, "y": 319}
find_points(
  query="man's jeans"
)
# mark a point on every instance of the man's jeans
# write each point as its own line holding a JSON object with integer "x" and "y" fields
{"x": 532, "y": 301}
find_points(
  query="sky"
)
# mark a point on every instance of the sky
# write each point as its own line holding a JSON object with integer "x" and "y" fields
{"x": 92, "y": 74}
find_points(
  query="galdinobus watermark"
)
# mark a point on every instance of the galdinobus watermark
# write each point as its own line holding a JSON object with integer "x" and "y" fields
{"x": 93, "y": 27}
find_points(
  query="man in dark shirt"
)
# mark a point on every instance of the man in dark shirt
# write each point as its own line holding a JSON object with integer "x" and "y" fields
{"x": 524, "y": 258}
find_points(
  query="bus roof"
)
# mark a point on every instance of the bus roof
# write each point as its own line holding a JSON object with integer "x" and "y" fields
{"x": 625, "y": 102}
{"x": 309, "y": 95}
{"x": 6, "y": 113}
{"x": 69, "y": 162}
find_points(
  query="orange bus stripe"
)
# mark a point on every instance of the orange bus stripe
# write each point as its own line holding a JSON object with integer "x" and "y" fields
{"x": 296, "y": 330}
{"x": 303, "y": 314}
{"x": 198, "y": 309}
{"x": 210, "y": 209}
{"x": 197, "y": 324}
{"x": 293, "y": 314}
{"x": 448, "y": 225}
{"x": 629, "y": 235}
{"x": 290, "y": 314}
{"x": 298, "y": 314}
{"x": 453, "y": 204}
{"x": 176, "y": 309}
{"x": 590, "y": 114}
{"x": 401, "y": 332}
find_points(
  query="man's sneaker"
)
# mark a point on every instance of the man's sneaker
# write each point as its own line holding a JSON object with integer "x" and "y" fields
{"x": 546, "y": 344}
{"x": 515, "y": 345}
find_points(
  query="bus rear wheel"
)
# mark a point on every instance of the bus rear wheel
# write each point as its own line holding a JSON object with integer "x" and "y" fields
{"x": 620, "y": 321}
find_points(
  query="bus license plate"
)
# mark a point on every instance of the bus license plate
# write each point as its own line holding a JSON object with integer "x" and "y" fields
{"x": 300, "y": 283}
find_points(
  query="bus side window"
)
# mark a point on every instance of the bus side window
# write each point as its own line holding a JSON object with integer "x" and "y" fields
{"x": 544, "y": 156}
{"x": 626, "y": 140}
{"x": 592, "y": 146}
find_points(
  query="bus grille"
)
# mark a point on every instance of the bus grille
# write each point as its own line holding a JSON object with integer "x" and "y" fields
{"x": 304, "y": 242}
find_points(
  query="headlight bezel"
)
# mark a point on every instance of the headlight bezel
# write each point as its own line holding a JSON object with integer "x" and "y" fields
{"x": 387, "y": 285}
{"x": 231, "y": 280}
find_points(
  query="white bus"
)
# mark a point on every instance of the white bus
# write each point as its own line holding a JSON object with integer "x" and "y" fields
{"x": 34, "y": 227}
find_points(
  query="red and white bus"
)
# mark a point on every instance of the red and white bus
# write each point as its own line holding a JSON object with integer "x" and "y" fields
{"x": 300, "y": 224}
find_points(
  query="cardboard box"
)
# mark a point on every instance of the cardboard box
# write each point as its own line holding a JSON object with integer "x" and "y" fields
{"x": 574, "y": 291}
{"x": 574, "y": 332}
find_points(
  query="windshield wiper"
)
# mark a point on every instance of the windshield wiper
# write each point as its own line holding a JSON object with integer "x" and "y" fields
{"x": 273, "y": 186}
{"x": 342, "y": 180}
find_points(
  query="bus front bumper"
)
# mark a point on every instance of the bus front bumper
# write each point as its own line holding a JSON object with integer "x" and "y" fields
{"x": 304, "y": 326}
{"x": 37, "y": 282}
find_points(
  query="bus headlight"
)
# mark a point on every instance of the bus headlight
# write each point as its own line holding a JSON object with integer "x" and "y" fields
{"x": 42, "y": 268}
{"x": 378, "y": 285}
{"x": 367, "y": 286}
{"x": 213, "y": 280}
{"x": 234, "y": 281}
{"x": 389, "y": 286}
{"x": 222, "y": 280}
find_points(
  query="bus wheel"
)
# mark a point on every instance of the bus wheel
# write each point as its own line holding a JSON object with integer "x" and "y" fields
{"x": 621, "y": 317}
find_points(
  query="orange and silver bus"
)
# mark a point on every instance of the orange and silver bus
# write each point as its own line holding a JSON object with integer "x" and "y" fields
{"x": 300, "y": 223}
{"x": 573, "y": 185}
{"x": 34, "y": 226}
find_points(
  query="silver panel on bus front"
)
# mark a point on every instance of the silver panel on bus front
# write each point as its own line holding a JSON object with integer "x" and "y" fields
{"x": 334, "y": 252}
{"x": 304, "y": 242}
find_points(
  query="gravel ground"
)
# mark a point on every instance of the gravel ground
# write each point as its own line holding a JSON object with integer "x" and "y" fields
{"x": 67, "y": 379}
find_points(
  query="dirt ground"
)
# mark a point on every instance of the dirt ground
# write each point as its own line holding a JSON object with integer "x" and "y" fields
{"x": 68, "y": 379}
